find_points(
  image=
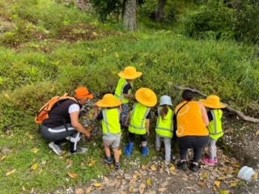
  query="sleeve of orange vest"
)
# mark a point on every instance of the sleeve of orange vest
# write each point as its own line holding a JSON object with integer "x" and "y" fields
{"x": 77, "y": 125}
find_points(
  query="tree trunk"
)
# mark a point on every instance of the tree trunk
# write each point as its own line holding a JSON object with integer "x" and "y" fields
{"x": 160, "y": 11}
{"x": 130, "y": 15}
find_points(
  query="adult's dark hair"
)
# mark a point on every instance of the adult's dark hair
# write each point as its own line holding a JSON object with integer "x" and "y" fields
{"x": 187, "y": 95}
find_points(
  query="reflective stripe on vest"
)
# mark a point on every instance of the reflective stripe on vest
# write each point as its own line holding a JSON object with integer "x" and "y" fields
{"x": 164, "y": 126}
{"x": 111, "y": 121}
{"x": 138, "y": 119}
{"x": 215, "y": 126}
{"x": 119, "y": 90}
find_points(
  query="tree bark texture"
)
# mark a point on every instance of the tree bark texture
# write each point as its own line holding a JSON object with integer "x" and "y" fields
{"x": 160, "y": 11}
{"x": 130, "y": 15}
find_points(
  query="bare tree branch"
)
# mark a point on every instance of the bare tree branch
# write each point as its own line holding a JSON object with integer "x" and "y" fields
{"x": 239, "y": 113}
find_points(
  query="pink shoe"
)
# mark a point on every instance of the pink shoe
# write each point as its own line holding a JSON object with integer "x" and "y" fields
{"x": 209, "y": 162}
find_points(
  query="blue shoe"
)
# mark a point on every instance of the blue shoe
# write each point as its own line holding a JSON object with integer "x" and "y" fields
{"x": 129, "y": 149}
{"x": 145, "y": 151}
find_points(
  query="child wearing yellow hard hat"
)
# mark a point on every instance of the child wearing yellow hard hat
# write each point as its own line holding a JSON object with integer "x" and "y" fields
{"x": 110, "y": 117}
{"x": 213, "y": 106}
{"x": 124, "y": 89}
{"x": 139, "y": 119}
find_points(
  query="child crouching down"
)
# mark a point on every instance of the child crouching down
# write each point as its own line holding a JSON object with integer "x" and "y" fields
{"x": 164, "y": 126}
{"x": 110, "y": 116}
{"x": 214, "y": 106}
{"x": 139, "y": 119}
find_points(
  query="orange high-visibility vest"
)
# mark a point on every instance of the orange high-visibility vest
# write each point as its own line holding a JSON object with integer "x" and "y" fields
{"x": 190, "y": 121}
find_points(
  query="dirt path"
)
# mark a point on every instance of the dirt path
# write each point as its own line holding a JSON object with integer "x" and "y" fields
{"x": 155, "y": 177}
{"x": 240, "y": 142}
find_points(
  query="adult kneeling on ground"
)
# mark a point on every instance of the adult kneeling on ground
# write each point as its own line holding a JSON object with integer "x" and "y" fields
{"x": 63, "y": 123}
{"x": 192, "y": 132}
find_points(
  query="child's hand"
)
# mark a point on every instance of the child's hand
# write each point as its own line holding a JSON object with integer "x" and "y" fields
{"x": 96, "y": 111}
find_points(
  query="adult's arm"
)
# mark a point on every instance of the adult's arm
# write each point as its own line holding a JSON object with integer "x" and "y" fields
{"x": 204, "y": 115}
{"x": 74, "y": 116}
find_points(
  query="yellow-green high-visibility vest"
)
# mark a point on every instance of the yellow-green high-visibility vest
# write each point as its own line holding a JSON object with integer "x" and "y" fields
{"x": 138, "y": 119}
{"x": 164, "y": 126}
{"x": 111, "y": 121}
{"x": 119, "y": 90}
{"x": 215, "y": 126}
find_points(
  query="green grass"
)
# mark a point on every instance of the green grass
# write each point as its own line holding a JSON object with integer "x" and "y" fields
{"x": 36, "y": 68}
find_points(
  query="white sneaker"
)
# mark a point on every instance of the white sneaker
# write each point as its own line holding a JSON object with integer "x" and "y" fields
{"x": 56, "y": 148}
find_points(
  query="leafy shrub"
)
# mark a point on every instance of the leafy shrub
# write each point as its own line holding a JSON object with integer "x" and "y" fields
{"x": 48, "y": 14}
{"x": 211, "y": 20}
{"x": 105, "y": 8}
{"x": 247, "y": 17}
{"x": 224, "y": 19}
{"x": 23, "y": 32}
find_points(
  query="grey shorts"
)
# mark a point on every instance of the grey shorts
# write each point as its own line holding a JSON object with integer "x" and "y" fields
{"x": 112, "y": 140}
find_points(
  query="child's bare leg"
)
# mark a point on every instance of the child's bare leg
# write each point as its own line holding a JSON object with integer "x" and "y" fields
{"x": 116, "y": 155}
{"x": 107, "y": 151}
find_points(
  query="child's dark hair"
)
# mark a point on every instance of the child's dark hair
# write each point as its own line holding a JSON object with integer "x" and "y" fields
{"x": 164, "y": 111}
{"x": 187, "y": 95}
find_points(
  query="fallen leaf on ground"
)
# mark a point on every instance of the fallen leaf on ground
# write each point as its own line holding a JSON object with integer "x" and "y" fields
{"x": 2, "y": 158}
{"x": 202, "y": 184}
{"x": 164, "y": 184}
{"x": 149, "y": 181}
{"x": 257, "y": 133}
{"x": 234, "y": 184}
{"x": 30, "y": 136}
{"x": 92, "y": 163}
{"x": 162, "y": 189}
{"x": 217, "y": 183}
{"x": 204, "y": 176}
{"x": 172, "y": 169}
{"x": 7, "y": 96}
{"x": 144, "y": 167}
{"x": 224, "y": 192}
{"x": 153, "y": 167}
{"x": 10, "y": 172}
{"x": 255, "y": 176}
{"x": 142, "y": 188}
{"x": 79, "y": 191}
{"x": 116, "y": 55}
{"x": 35, "y": 166}
{"x": 72, "y": 175}
{"x": 35, "y": 150}
{"x": 97, "y": 184}
{"x": 69, "y": 163}
{"x": 88, "y": 189}
{"x": 132, "y": 189}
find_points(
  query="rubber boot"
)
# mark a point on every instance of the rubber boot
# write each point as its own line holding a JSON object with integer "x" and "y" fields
{"x": 129, "y": 149}
{"x": 145, "y": 151}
